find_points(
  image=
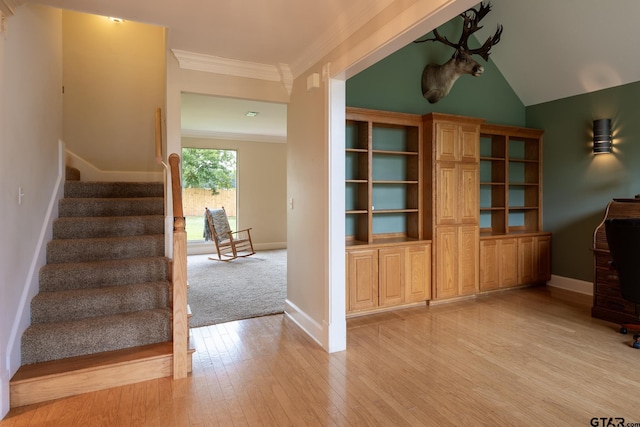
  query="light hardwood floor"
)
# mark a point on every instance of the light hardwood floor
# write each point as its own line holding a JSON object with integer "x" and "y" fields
{"x": 517, "y": 358}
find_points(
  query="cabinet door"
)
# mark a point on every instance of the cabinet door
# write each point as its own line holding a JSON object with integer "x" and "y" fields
{"x": 418, "y": 273}
{"x": 446, "y": 262}
{"x": 448, "y": 193}
{"x": 508, "y": 262}
{"x": 362, "y": 279}
{"x": 447, "y": 142}
{"x": 469, "y": 144}
{"x": 527, "y": 263}
{"x": 498, "y": 263}
{"x": 543, "y": 254}
{"x": 392, "y": 271}
{"x": 468, "y": 259}
{"x": 490, "y": 264}
{"x": 469, "y": 193}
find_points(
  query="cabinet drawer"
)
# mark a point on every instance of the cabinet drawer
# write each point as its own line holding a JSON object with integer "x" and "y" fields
{"x": 608, "y": 290}
{"x": 615, "y": 304}
{"x": 607, "y": 276}
{"x": 604, "y": 261}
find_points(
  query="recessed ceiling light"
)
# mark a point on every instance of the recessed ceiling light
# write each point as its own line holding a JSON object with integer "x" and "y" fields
{"x": 251, "y": 113}
{"x": 114, "y": 19}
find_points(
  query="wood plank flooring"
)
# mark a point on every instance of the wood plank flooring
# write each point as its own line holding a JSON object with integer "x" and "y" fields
{"x": 517, "y": 358}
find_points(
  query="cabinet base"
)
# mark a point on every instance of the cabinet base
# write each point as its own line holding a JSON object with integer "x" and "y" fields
{"x": 385, "y": 309}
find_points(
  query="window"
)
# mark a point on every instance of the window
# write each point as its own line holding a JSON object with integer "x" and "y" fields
{"x": 208, "y": 181}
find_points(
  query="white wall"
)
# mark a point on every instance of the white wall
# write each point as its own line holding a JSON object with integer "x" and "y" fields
{"x": 261, "y": 184}
{"x": 114, "y": 80}
{"x": 31, "y": 128}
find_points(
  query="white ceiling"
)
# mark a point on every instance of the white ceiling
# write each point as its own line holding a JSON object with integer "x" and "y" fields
{"x": 226, "y": 118}
{"x": 550, "y": 49}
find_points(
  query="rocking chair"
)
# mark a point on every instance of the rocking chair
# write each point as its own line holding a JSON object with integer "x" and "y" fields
{"x": 229, "y": 244}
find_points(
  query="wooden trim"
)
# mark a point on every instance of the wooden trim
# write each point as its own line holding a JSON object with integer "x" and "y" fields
{"x": 382, "y": 117}
{"x": 506, "y": 130}
{"x": 46, "y": 381}
{"x": 181, "y": 354}
{"x": 176, "y": 188}
{"x": 159, "y": 136}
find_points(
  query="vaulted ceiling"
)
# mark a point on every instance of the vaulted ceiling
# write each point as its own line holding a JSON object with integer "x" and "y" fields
{"x": 550, "y": 49}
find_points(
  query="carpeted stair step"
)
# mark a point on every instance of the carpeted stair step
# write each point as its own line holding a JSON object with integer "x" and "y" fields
{"x": 92, "y": 302}
{"x": 86, "y": 250}
{"x": 81, "y": 207}
{"x": 88, "y": 227}
{"x": 83, "y": 189}
{"x": 67, "y": 276}
{"x": 50, "y": 341}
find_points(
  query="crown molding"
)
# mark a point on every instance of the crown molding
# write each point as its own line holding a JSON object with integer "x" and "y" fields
{"x": 232, "y": 67}
{"x": 345, "y": 25}
{"x": 8, "y": 7}
{"x": 232, "y": 136}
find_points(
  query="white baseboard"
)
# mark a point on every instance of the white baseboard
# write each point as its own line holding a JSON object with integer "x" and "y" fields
{"x": 88, "y": 172}
{"x": 569, "y": 284}
{"x": 203, "y": 248}
{"x": 306, "y": 323}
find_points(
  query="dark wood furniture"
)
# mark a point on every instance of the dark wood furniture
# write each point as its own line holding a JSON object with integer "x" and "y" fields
{"x": 608, "y": 303}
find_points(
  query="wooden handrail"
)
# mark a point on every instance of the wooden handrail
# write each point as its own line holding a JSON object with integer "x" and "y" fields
{"x": 176, "y": 186}
{"x": 159, "y": 136}
{"x": 179, "y": 276}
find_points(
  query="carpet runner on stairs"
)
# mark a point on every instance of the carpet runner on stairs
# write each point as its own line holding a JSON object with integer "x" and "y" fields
{"x": 106, "y": 283}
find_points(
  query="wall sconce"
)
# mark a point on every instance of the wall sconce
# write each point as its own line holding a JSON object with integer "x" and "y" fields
{"x": 602, "y": 136}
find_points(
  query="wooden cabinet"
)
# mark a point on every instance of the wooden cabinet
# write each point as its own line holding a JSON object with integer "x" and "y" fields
{"x": 387, "y": 276}
{"x": 608, "y": 303}
{"x": 383, "y": 176}
{"x": 498, "y": 263}
{"x": 510, "y": 261}
{"x": 534, "y": 259}
{"x": 514, "y": 250}
{"x": 417, "y": 277}
{"x": 452, "y": 177}
{"x": 440, "y": 206}
{"x": 510, "y": 179}
{"x": 388, "y": 259}
{"x": 362, "y": 279}
{"x": 391, "y": 277}
{"x": 456, "y": 261}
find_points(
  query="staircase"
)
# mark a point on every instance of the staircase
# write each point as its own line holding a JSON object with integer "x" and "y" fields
{"x": 103, "y": 315}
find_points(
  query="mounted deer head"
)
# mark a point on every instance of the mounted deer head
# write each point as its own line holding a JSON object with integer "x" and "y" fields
{"x": 437, "y": 80}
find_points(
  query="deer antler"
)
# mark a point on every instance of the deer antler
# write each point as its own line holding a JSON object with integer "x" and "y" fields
{"x": 472, "y": 18}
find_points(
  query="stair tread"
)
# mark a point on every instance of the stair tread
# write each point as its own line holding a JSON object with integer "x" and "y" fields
{"x": 95, "y": 334}
{"x": 93, "y": 274}
{"x": 103, "y": 263}
{"x": 90, "y": 302}
{"x": 90, "y": 361}
{"x": 74, "y": 189}
{"x": 97, "y": 248}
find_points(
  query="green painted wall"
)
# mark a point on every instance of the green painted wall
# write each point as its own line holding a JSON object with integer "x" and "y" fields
{"x": 578, "y": 185}
{"x": 393, "y": 84}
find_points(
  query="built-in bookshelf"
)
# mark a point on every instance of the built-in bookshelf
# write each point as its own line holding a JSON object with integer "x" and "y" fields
{"x": 510, "y": 180}
{"x": 383, "y": 183}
